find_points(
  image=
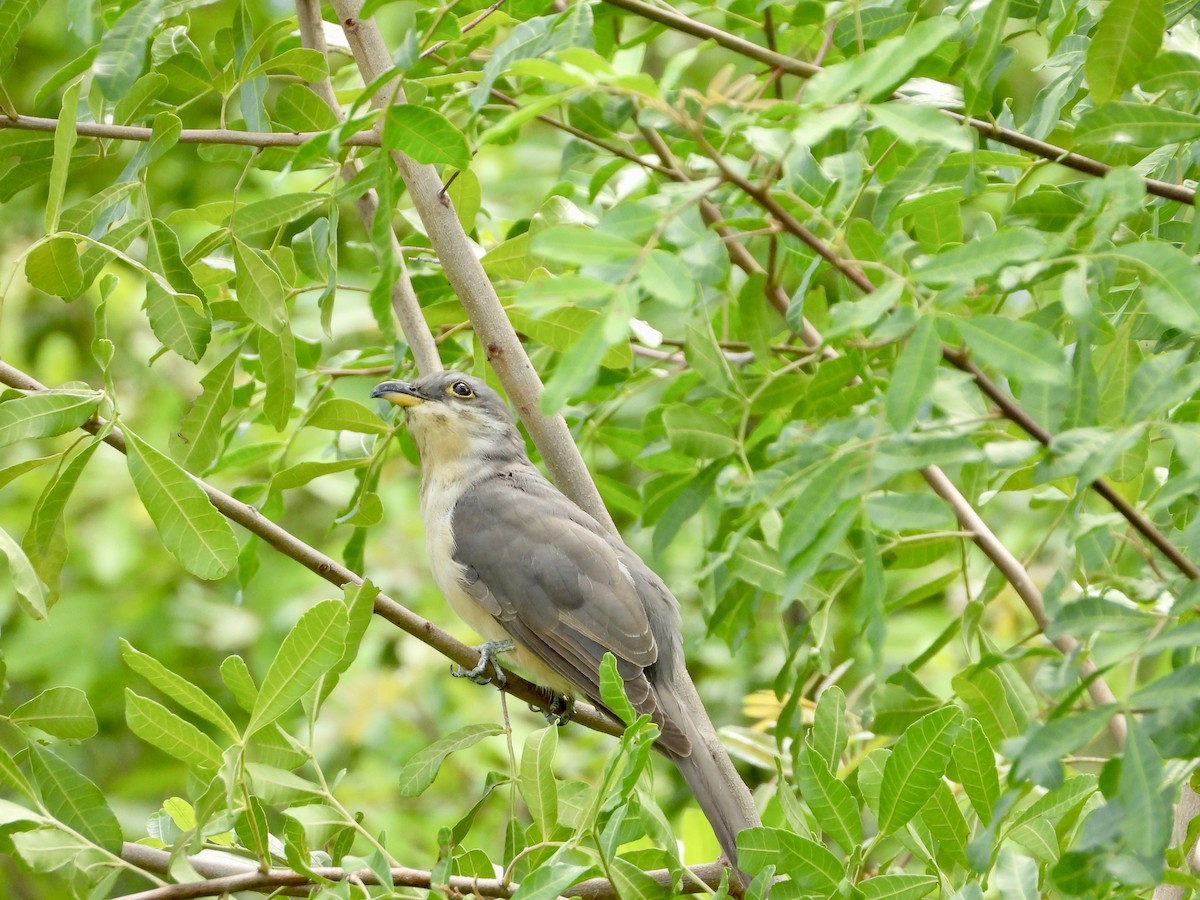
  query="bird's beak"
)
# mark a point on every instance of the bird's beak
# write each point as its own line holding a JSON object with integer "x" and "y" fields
{"x": 401, "y": 393}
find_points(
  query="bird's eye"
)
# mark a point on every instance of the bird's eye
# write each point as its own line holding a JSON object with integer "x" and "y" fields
{"x": 462, "y": 389}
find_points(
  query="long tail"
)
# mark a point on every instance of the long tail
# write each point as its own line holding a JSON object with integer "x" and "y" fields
{"x": 709, "y": 771}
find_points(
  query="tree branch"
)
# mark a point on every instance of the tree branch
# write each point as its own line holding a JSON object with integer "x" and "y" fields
{"x": 957, "y": 358}
{"x": 223, "y": 873}
{"x": 968, "y": 518}
{"x": 1076, "y": 161}
{"x": 189, "y": 135}
{"x": 338, "y": 575}
{"x": 462, "y": 267}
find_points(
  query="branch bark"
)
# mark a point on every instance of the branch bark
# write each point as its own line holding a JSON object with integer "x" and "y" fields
{"x": 458, "y": 258}
{"x": 225, "y": 874}
{"x": 1076, "y": 161}
{"x": 188, "y": 135}
{"x": 968, "y": 518}
{"x": 336, "y": 574}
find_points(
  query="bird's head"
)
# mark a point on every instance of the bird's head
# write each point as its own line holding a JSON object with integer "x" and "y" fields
{"x": 455, "y": 418}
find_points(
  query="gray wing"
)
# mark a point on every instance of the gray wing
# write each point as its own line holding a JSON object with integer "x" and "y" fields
{"x": 562, "y": 587}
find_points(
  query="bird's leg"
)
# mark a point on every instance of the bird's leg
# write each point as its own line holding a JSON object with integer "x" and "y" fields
{"x": 487, "y": 657}
{"x": 561, "y": 708}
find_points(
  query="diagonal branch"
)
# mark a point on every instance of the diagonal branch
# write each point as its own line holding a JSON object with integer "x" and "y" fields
{"x": 1078, "y": 162}
{"x": 968, "y": 518}
{"x": 1007, "y": 405}
{"x": 338, "y": 575}
{"x": 462, "y": 267}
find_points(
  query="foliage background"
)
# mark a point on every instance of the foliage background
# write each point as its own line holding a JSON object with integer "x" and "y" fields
{"x": 783, "y": 490}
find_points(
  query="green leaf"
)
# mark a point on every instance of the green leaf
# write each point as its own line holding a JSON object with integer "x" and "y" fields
{"x": 536, "y": 780}
{"x": 1172, "y": 282}
{"x": 984, "y": 59}
{"x": 64, "y": 145}
{"x": 425, "y": 136}
{"x": 915, "y": 768}
{"x": 191, "y": 529}
{"x": 197, "y": 443}
{"x": 1126, "y": 38}
{"x": 340, "y": 414}
{"x": 1145, "y": 812}
{"x": 878, "y": 71}
{"x": 302, "y": 62}
{"x": 298, "y": 109}
{"x": 53, "y": 266}
{"x": 31, "y": 593}
{"x": 273, "y": 213}
{"x": 1137, "y": 124}
{"x": 946, "y": 823}
{"x": 829, "y": 732}
{"x": 1020, "y": 350}
{"x": 73, "y": 799}
{"x": 897, "y": 887}
{"x": 549, "y": 880}
{"x": 15, "y": 16}
{"x": 302, "y": 473}
{"x": 1091, "y": 615}
{"x": 982, "y": 258}
{"x": 583, "y": 246}
{"x": 812, "y": 867}
{"x": 45, "y": 541}
{"x": 1161, "y": 382}
{"x": 914, "y": 124}
{"x": 612, "y": 690}
{"x": 260, "y": 289}
{"x": 179, "y": 317}
{"x": 313, "y": 646}
{"x": 123, "y": 48}
{"x": 1037, "y": 755}
{"x": 975, "y": 763}
{"x": 1055, "y": 804}
{"x": 984, "y": 693}
{"x": 831, "y": 802}
{"x": 1171, "y": 71}
{"x": 814, "y": 506}
{"x": 161, "y": 728}
{"x": 45, "y": 414}
{"x": 699, "y": 433}
{"x": 420, "y": 770}
{"x": 237, "y": 677}
{"x": 189, "y": 696}
{"x": 914, "y": 375}
{"x": 277, "y": 353}
{"x": 63, "y": 712}
{"x": 1176, "y": 688}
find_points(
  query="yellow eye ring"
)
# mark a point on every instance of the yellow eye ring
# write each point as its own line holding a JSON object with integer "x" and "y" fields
{"x": 462, "y": 389}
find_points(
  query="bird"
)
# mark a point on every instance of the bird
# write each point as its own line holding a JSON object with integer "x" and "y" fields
{"x": 535, "y": 574}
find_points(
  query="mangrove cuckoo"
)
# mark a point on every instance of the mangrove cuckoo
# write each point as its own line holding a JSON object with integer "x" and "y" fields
{"x": 532, "y": 572}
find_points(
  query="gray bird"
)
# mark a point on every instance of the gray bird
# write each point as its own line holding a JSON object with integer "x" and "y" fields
{"x": 528, "y": 569}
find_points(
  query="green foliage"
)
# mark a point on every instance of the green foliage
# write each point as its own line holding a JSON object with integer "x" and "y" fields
{"x": 759, "y": 294}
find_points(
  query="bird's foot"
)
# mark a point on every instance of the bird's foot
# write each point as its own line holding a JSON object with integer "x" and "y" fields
{"x": 487, "y": 657}
{"x": 560, "y": 711}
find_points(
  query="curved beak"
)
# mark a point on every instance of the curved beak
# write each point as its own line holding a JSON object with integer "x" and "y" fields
{"x": 401, "y": 393}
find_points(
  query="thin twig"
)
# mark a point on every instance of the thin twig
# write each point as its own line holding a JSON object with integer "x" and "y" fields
{"x": 189, "y": 135}
{"x": 226, "y": 874}
{"x": 1076, "y": 161}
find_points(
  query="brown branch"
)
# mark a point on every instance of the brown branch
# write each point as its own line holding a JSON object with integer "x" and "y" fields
{"x": 227, "y": 875}
{"x": 189, "y": 135}
{"x": 457, "y": 255}
{"x": 1076, "y": 161}
{"x": 338, "y": 575}
{"x": 968, "y": 518}
{"x": 1006, "y": 403}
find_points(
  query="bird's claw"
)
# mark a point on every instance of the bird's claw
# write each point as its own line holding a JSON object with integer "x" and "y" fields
{"x": 560, "y": 711}
{"x": 487, "y": 657}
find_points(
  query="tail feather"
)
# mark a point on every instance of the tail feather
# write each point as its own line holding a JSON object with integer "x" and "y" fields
{"x": 709, "y": 772}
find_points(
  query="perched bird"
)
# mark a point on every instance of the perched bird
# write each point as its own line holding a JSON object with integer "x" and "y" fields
{"x": 532, "y": 572}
